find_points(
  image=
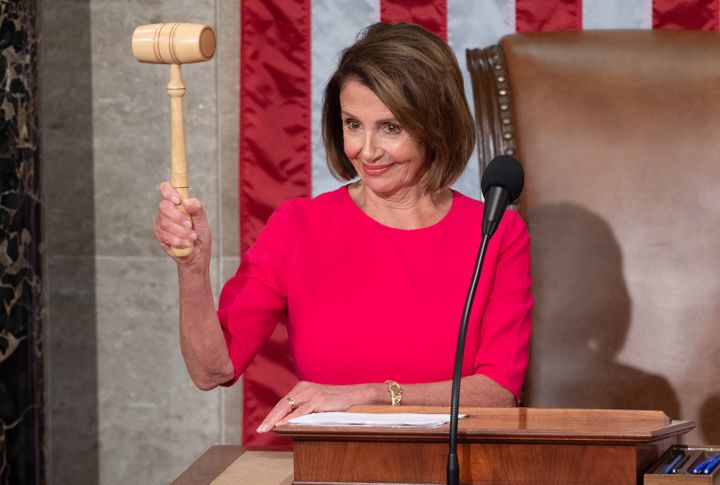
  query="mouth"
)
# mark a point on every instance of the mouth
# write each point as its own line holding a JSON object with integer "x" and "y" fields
{"x": 375, "y": 170}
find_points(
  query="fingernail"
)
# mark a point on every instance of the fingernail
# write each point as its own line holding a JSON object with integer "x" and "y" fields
{"x": 187, "y": 223}
{"x": 261, "y": 429}
{"x": 193, "y": 236}
{"x": 175, "y": 199}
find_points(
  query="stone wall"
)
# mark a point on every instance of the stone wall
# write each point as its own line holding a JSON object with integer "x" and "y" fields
{"x": 120, "y": 406}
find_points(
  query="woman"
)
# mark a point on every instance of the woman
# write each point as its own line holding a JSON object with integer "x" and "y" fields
{"x": 373, "y": 275}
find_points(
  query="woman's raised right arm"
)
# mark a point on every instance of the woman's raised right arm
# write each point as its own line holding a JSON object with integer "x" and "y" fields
{"x": 201, "y": 337}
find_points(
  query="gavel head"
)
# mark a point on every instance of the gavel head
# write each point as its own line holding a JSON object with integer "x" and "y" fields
{"x": 173, "y": 43}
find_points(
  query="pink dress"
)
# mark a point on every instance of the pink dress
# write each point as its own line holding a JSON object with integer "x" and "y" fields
{"x": 367, "y": 302}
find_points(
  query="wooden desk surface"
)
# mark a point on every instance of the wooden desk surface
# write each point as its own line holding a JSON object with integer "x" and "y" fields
{"x": 232, "y": 465}
{"x": 527, "y": 425}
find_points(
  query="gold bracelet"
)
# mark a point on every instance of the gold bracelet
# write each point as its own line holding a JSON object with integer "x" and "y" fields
{"x": 395, "y": 392}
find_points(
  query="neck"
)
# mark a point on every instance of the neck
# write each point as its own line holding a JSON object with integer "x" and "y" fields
{"x": 411, "y": 208}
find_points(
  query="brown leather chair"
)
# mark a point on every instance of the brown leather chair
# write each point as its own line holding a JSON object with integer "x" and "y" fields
{"x": 619, "y": 134}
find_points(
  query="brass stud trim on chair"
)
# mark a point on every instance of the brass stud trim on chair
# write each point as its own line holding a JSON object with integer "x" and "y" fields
{"x": 493, "y": 103}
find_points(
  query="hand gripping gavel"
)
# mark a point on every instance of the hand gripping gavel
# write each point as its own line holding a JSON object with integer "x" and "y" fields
{"x": 175, "y": 44}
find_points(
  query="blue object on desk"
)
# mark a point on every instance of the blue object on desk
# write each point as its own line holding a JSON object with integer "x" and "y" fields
{"x": 677, "y": 467}
{"x": 712, "y": 465}
{"x": 673, "y": 465}
{"x": 707, "y": 466}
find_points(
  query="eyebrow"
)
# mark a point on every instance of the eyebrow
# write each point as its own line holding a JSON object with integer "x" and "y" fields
{"x": 383, "y": 120}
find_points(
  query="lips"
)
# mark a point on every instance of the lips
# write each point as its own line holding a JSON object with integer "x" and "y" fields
{"x": 375, "y": 170}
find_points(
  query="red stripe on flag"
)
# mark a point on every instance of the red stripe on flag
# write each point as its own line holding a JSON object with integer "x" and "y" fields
{"x": 688, "y": 14}
{"x": 548, "y": 15}
{"x": 275, "y": 164}
{"x": 430, "y": 14}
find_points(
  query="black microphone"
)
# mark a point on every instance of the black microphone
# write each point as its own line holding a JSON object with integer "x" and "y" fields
{"x": 501, "y": 184}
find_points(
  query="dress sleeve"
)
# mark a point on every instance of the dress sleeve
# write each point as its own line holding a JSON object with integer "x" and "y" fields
{"x": 252, "y": 301}
{"x": 506, "y": 326}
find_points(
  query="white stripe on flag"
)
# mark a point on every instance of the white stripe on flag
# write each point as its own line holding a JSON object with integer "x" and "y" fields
{"x": 472, "y": 24}
{"x": 335, "y": 24}
{"x": 617, "y": 14}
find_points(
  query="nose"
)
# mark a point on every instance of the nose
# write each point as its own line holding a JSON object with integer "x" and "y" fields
{"x": 371, "y": 150}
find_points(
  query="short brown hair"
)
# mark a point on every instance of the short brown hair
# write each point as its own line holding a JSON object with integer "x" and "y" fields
{"x": 416, "y": 75}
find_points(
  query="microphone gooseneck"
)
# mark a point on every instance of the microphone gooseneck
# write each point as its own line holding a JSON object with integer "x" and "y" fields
{"x": 501, "y": 184}
{"x": 453, "y": 466}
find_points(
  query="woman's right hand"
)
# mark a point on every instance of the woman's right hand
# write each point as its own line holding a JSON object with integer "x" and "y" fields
{"x": 176, "y": 229}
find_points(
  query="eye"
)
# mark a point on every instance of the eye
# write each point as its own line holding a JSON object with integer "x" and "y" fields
{"x": 352, "y": 124}
{"x": 392, "y": 128}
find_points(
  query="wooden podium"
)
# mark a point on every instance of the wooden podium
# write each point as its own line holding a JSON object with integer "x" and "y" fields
{"x": 495, "y": 446}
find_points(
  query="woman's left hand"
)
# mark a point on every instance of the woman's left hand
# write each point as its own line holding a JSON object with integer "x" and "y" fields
{"x": 307, "y": 397}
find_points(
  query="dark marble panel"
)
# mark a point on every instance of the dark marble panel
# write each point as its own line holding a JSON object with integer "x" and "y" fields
{"x": 68, "y": 190}
{"x": 20, "y": 288}
{"x": 66, "y": 120}
{"x": 72, "y": 382}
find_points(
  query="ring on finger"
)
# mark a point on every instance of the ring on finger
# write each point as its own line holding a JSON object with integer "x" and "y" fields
{"x": 291, "y": 402}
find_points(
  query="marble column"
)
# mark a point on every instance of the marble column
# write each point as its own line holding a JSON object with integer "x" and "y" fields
{"x": 20, "y": 288}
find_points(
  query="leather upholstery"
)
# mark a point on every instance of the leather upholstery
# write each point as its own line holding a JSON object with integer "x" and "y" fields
{"x": 619, "y": 133}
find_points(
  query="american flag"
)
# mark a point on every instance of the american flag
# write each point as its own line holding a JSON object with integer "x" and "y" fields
{"x": 289, "y": 48}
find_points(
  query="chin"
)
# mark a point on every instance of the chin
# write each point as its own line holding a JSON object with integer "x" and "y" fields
{"x": 382, "y": 187}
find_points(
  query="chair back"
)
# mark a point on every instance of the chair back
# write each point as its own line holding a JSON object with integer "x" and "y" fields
{"x": 619, "y": 134}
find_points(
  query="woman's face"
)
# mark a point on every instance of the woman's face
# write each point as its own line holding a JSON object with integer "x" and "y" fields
{"x": 387, "y": 158}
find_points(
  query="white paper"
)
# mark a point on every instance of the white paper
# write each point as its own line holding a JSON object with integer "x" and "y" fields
{"x": 374, "y": 419}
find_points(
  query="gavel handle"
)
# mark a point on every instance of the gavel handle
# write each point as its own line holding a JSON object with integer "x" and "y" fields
{"x": 178, "y": 162}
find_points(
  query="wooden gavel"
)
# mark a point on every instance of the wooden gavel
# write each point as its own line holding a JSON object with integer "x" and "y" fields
{"x": 175, "y": 44}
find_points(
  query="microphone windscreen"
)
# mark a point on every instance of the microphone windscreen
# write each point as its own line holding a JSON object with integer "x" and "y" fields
{"x": 504, "y": 171}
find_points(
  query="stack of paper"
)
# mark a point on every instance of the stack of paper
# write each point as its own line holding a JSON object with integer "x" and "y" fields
{"x": 374, "y": 419}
